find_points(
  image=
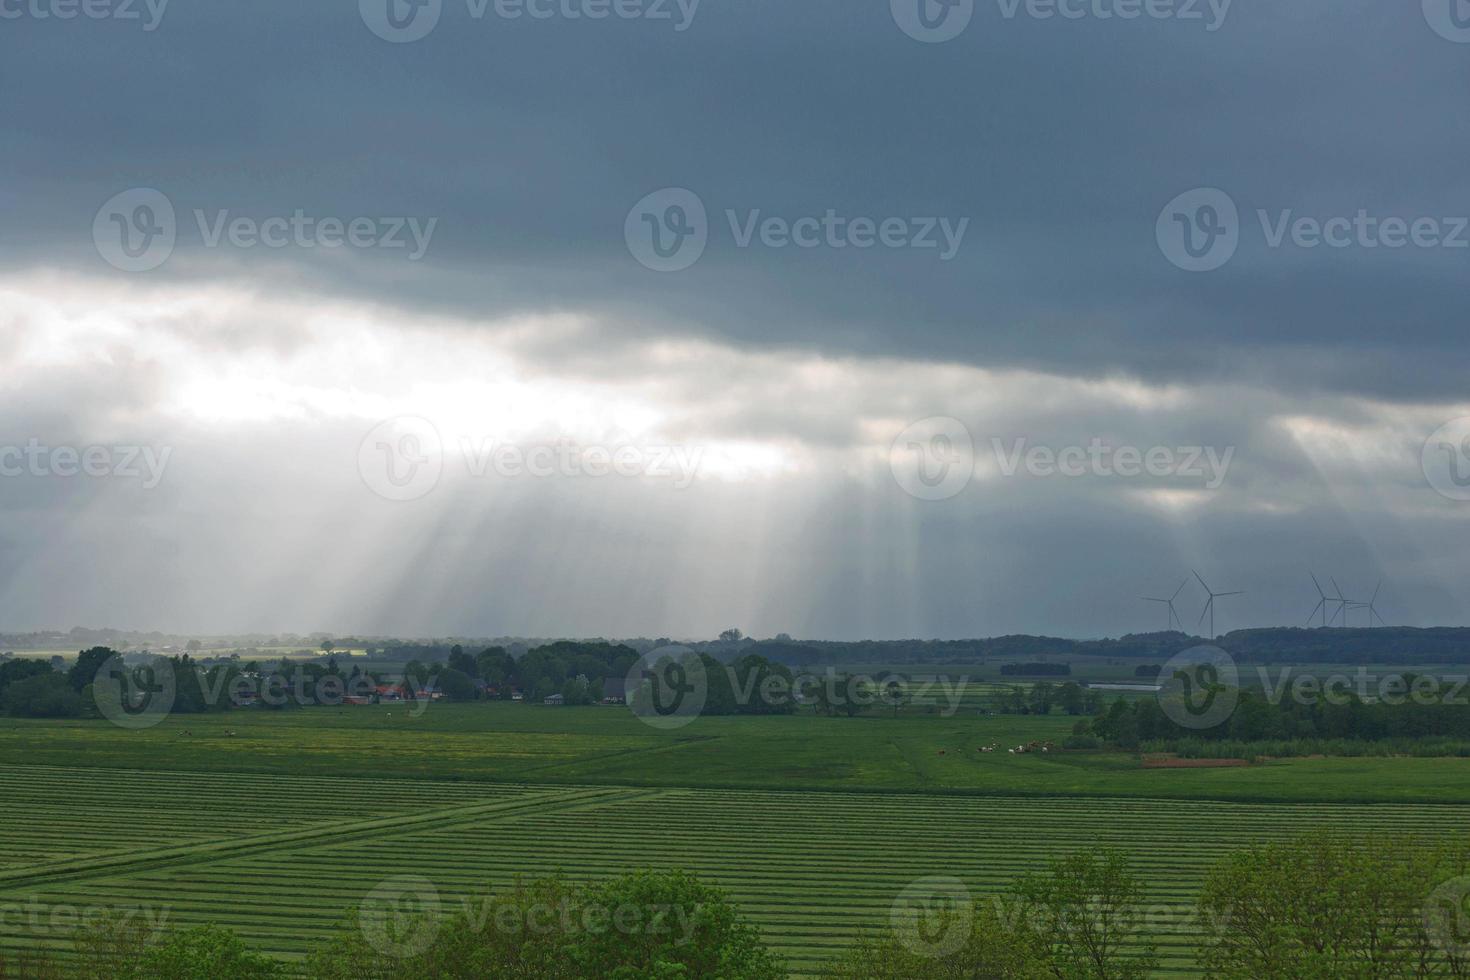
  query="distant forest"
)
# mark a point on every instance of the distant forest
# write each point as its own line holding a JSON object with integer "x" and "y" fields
{"x": 1383, "y": 645}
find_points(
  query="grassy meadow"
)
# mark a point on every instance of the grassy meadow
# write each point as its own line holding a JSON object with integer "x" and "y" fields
{"x": 277, "y": 822}
{"x": 503, "y": 742}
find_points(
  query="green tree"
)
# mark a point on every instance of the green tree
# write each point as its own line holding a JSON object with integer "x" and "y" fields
{"x": 1043, "y": 696}
{"x": 127, "y": 947}
{"x": 204, "y": 953}
{"x": 576, "y": 691}
{"x": 497, "y": 667}
{"x": 1321, "y": 906}
{"x": 415, "y": 676}
{"x": 494, "y": 936}
{"x": 463, "y": 662}
{"x": 457, "y": 686}
{"x": 764, "y": 687}
{"x": 1086, "y": 907}
{"x": 648, "y": 925}
{"x": 88, "y": 664}
{"x": 991, "y": 948}
{"x": 47, "y": 695}
{"x": 893, "y": 691}
{"x": 701, "y": 936}
{"x": 19, "y": 670}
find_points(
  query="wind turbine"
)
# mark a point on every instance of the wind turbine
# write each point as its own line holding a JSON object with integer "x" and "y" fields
{"x": 1321, "y": 603}
{"x": 1373, "y": 607}
{"x": 1342, "y": 602}
{"x": 1173, "y": 616}
{"x": 1209, "y": 609}
{"x": 1370, "y": 605}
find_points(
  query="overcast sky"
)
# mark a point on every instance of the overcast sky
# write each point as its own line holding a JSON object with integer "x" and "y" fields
{"x": 842, "y": 318}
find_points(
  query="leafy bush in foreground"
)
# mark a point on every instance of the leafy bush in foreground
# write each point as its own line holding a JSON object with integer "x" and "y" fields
{"x": 646, "y": 925}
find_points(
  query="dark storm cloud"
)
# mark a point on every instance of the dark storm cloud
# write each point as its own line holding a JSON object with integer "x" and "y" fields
{"x": 1059, "y": 140}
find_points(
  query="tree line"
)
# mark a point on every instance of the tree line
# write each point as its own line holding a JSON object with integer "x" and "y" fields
{"x": 1436, "y": 709}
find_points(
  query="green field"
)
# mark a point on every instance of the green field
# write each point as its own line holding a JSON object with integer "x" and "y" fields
{"x": 281, "y": 858}
{"x": 503, "y": 742}
{"x": 814, "y": 824}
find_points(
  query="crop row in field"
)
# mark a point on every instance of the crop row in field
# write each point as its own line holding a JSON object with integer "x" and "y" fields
{"x": 53, "y": 813}
{"x": 813, "y": 869}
